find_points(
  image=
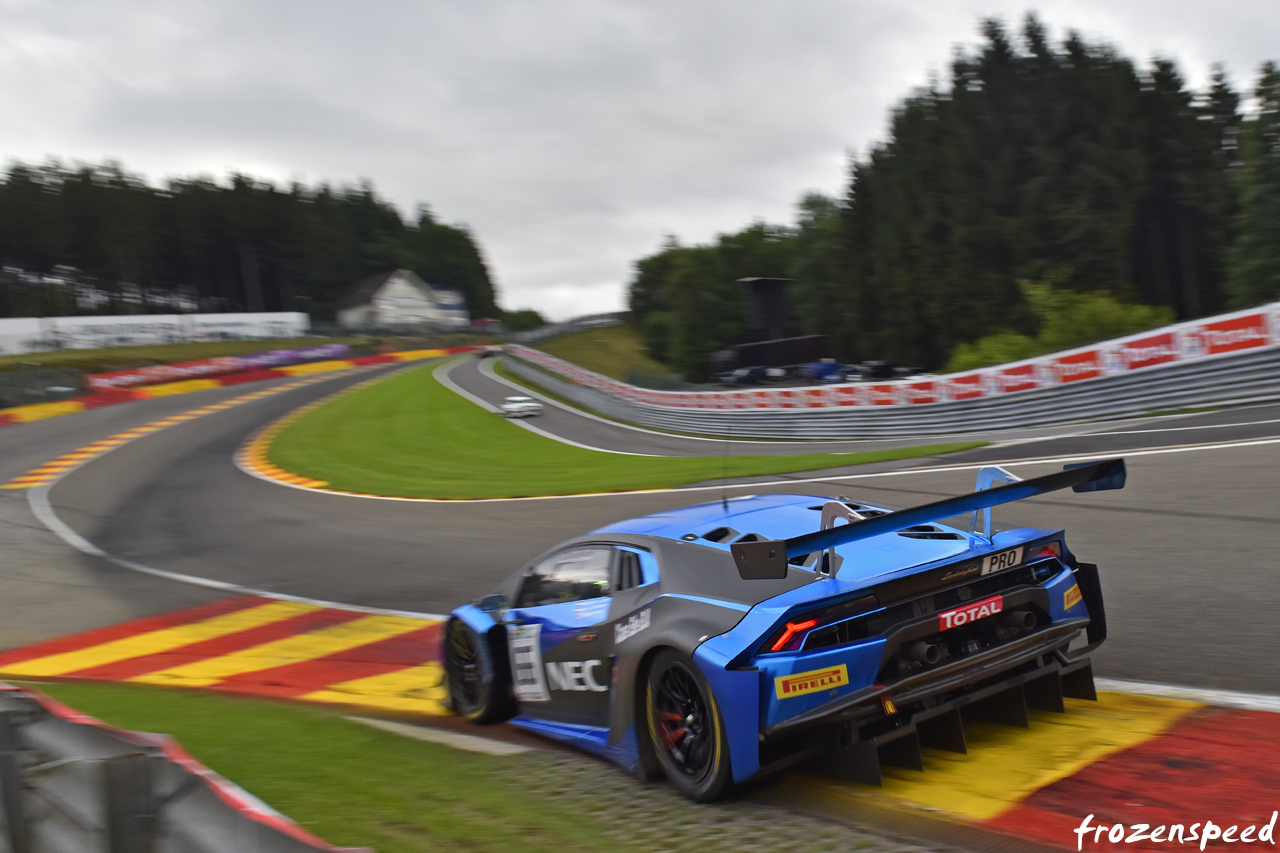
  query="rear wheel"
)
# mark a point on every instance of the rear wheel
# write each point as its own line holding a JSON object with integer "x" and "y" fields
{"x": 479, "y": 685}
{"x": 685, "y": 730}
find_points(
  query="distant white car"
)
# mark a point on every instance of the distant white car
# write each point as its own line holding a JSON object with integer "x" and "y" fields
{"x": 520, "y": 407}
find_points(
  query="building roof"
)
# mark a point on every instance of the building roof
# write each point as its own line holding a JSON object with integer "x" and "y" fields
{"x": 363, "y": 291}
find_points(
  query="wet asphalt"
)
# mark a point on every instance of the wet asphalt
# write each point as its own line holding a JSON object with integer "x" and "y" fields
{"x": 1186, "y": 550}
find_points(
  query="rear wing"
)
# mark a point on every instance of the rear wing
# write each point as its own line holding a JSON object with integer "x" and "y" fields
{"x": 767, "y": 559}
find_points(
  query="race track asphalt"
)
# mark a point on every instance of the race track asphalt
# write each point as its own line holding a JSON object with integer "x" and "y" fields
{"x": 1186, "y": 550}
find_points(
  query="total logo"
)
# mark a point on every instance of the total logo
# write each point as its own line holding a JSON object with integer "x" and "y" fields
{"x": 576, "y": 675}
{"x": 970, "y": 613}
{"x": 631, "y": 626}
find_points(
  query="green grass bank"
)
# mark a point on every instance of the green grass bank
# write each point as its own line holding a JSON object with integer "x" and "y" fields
{"x": 356, "y": 786}
{"x": 346, "y": 782}
{"x": 614, "y": 351}
{"x": 409, "y": 436}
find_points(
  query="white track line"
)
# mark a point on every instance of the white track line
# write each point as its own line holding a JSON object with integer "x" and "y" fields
{"x": 1224, "y": 698}
{"x": 42, "y": 509}
{"x": 441, "y": 375}
{"x": 38, "y": 501}
{"x": 1174, "y": 429}
{"x": 457, "y": 740}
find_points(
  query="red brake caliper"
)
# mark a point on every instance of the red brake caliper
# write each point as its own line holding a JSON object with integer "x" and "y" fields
{"x": 672, "y": 728}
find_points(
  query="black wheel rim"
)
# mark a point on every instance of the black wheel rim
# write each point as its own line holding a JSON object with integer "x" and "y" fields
{"x": 464, "y": 680}
{"x": 682, "y": 718}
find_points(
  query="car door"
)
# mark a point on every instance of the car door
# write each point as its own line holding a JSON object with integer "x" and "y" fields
{"x": 561, "y": 654}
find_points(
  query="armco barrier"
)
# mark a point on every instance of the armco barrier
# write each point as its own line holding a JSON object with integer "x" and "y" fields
{"x": 1225, "y": 359}
{"x": 70, "y": 784}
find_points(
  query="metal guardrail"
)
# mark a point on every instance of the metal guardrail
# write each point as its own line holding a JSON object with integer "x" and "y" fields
{"x": 69, "y": 784}
{"x": 1244, "y": 377}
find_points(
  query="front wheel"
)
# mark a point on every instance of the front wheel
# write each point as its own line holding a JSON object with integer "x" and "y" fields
{"x": 479, "y": 686}
{"x": 685, "y": 730}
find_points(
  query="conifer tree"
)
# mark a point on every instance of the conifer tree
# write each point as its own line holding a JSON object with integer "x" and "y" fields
{"x": 1254, "y": 275}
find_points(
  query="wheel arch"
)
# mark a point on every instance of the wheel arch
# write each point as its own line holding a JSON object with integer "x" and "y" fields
{"x": 491, "y": 642}
{"x": 648, "y": 769}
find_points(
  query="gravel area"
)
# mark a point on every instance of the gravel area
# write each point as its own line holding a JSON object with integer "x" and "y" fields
{"x": 653, "y": 817}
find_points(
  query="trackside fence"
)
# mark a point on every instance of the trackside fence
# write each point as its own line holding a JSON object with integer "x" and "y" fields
{"x": 70, "y": 784}
{"x": 1231, "y": 358}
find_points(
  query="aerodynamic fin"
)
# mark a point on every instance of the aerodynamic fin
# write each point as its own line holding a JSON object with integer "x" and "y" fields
{"x": 762, "y": 560}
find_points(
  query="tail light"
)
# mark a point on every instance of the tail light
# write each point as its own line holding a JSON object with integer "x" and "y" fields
{"x": 1044, "y": 571}
{"x": 1048, "y": 549}
{"x": 791, "y": 636}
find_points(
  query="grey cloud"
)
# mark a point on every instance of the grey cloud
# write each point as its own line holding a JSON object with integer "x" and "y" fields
{"x": 570, "y": 135}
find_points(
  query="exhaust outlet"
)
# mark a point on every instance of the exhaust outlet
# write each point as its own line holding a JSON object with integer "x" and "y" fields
{"x": 1023, "y": 620}
{"x": 922, "y": 653}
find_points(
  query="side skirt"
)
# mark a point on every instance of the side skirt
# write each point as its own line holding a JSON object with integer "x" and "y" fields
{"x": 592, "y": 739}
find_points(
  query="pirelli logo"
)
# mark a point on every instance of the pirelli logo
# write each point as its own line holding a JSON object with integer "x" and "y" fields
{"x": 811, "y": 682}
{"x": 1071, "y": 597}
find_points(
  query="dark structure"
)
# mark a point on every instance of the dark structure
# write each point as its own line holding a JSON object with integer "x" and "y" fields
{"x": 781, "y": 352}
{"x": 765, "y": 303}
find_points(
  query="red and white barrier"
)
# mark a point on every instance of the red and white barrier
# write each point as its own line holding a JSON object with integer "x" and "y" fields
{"x": 1198, "y": 340}
{"x": 211, "y": 367}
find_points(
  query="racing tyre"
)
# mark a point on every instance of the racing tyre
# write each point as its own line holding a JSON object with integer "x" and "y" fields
{"x": 479, "y": 684}
{"x": 685, "y": 730}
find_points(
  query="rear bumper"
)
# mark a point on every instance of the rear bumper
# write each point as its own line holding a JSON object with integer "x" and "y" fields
{"x": 945, "y": 682}
{"x": 852, "y": 738}
{"x": 932, "y": 686}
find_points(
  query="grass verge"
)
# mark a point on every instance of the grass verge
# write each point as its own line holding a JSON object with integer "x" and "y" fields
{"x": 126, "y": 358}
{"x": 612, "y": 351}
{"x": 409, "y": 436}
{"x": 347, "y": 783}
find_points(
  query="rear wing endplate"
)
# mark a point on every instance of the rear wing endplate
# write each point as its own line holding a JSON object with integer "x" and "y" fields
{"x": 767, "y": 559}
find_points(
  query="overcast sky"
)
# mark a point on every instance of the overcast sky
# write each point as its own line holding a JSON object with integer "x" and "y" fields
{"x": 568, "y": 135}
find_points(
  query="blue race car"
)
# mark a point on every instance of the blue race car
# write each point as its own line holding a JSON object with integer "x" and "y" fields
{"x": 721, "y": 642}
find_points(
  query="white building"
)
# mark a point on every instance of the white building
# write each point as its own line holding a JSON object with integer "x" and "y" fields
{"x": 39, "y": 334}
{"x": 400, "y": 298}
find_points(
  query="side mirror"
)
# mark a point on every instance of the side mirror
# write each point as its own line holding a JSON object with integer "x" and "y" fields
{"x": 491, "y": 603}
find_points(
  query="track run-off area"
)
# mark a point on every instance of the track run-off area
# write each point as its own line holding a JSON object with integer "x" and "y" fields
{"x": 180, "y": 555}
